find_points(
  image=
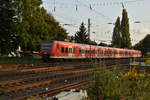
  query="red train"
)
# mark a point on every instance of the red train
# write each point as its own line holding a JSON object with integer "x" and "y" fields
{"x": 67, "y": 50}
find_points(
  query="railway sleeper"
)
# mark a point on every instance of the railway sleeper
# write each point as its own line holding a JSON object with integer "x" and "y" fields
{"x": 23, "y": 87}
{"x": 3, "y": 84}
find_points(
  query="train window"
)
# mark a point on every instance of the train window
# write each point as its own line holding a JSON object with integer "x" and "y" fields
{"x": 106, "y": 52}
{"x": 109, "y": 52}
{"x": 87, "y": 51}
{"x": 80, "y": 51}
{"x": 70, "y": 50}
{"x": 62, "y": 50}
{"x": 115, "y": 52}
{"x": 66, "y": 51}
{"x": 90, "y": 51}
{"x": 126, "y": 52}
{"x": 46, "y": 46}
{"x": 100, "y": 52}
{"x": 93, "y": 51}
{"x": 74, "y": 50}
{"x": 96, "y": 51}
{"x": 119, "y": 52}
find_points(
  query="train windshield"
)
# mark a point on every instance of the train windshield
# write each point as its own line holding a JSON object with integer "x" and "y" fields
{"x": 46, "y": 46}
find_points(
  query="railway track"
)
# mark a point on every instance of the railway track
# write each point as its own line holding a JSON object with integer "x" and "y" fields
{"x": 48, "y": 77}
{"x": 66, "y": 63}
{"x": 20, "y": 66}
{"x": 42, "y": 77}
{"x": 58, "y": 89}
{"x": 18, "y": 84}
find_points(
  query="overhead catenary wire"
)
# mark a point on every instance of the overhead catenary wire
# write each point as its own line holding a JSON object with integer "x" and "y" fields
{"x": 91, "y": 5}
{"x": 101, "y": 3}
{"x": 97, "y": 12}
{"x": 77, "y": 6}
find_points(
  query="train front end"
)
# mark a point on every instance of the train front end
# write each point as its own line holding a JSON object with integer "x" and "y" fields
{"x": 45, "y": 51}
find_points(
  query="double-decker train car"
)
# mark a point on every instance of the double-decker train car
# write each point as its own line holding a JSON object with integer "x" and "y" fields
{"x": 52, "y": 49}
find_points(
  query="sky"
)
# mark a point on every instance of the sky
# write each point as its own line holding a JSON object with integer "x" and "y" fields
{"x": 70, "y": 14}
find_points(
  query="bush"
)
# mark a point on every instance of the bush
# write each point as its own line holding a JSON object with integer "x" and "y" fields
{"x": 112, "y": 85}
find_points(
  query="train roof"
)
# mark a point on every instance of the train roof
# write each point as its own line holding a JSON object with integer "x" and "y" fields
{"x": 80, "y": 44}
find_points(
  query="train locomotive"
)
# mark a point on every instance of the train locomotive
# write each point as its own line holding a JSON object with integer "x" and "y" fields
{"x": 53, "y": 49}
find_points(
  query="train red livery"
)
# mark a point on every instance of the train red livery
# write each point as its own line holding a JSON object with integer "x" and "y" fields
{"x": 68, "y": 50}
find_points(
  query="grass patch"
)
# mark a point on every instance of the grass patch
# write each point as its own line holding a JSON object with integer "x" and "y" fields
{"x": 17, "y": 60}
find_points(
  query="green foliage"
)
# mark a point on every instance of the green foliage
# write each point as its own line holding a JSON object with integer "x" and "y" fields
{"x": 34, "y": 25}
{"x": 126, "y": 40}
{"x": 92, "y": 43}
{"x": 121, "y": 35}
{"x": 144, "y": 45}
{"x": 26, "y": 23}
{"x": 116, "y": 38}
{"x": 81, "y": 36}
{"x": 110, "y": 85}
{"x": 103, "y": 44}
{"x": 7, "y": 36}
{"x": 105, "y": 86}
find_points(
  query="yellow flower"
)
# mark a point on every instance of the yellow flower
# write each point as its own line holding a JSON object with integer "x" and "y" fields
{"x": 133, "y": 74}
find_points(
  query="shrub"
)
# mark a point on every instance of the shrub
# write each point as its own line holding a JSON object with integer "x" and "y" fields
{"x": 115, "y": 85}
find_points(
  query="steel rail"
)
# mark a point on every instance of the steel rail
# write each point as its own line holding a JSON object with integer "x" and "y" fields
{"x": 2, "y": 84}
{"x": 34, "y": 70}
{"x": 27, "y": 86}
{"x": 77, "y": 85}
{"x": 52, "y": 92}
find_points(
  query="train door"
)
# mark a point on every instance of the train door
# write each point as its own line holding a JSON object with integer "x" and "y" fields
{"x": 96, "y": 53}
{"x": 70, "y": 51}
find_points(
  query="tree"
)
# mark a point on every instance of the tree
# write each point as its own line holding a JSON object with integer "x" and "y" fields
{"x": 103, "y": 44}
{"x": 116, "y": 38}
{"x": 92, "y": 43}
{"x": 7, "y": 36}
{"x": 81, "y": 36}
{"x": 125, "y": 34}
{"x": 144, "y": 45}
{"x": 34, "y": 24}
{"x": 26, "y": 23}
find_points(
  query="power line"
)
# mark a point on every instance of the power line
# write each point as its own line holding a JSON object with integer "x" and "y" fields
{"x": 91, "y": 5}
{"x": 102, "y": 3}
{"x": 99, "y": 13}
{"x": 67, "y": 19}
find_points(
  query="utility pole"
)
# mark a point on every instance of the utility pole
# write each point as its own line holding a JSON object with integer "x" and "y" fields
{"x": 54, "y": 6}
{"x": 122, "y": 5}
{"x": 89, "y": 26}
